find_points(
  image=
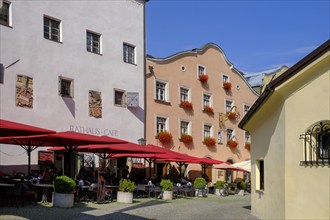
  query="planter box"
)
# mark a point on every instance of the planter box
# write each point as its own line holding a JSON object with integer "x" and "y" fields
{"x": 125, "y": 197}
{"x": 63, "y": 200}
{"x": 200, "y": 192}
{"x": 218, "y": 192}
{"x": 168, "y": 195}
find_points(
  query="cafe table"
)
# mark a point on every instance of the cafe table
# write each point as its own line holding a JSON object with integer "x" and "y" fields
{"x": 45, "y": 188}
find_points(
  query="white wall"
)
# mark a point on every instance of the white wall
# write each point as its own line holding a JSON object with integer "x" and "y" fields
{"x": 45, "y": 61}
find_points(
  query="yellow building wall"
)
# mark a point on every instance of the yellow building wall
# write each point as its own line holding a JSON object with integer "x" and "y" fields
{"x": 291, "y": 191}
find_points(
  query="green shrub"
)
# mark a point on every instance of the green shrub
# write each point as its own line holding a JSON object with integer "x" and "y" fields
{"x": 199, "y": 182}
{"x": 64, "y": 184}
{"x": 126, "y": 185}
{"x": 167, "y": 185}
{"x": 241, "y": 185}
{"x": 220, "y": 184}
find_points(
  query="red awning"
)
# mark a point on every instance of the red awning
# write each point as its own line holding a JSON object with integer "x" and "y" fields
{"x": 10, "y": 128}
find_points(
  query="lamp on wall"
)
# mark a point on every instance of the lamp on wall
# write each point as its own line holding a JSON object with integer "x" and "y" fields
{"x": 142, "y": 141}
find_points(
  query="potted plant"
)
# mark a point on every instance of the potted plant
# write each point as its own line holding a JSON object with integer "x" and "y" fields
{"x": 242, "y": 187}
{"x": 208, "y": 109}
{"x": 248, "y": 145}
{"x": 186, "y": 104}
{"x": 125, "y": 191}
{"x": 186, "y": 138}
{"x": 164, "y": 137}
{"x": 231, "y": 115}
{"x": 219, "y": 185}
{"x": 167, "y": 187}
{"x": 227, "y": 85}
{"x": 209, "y": 141}
{"x": 199, "y": 185}
{"x": 63, "y": 195}
{"x": 232, "y": 143}
{"x": 203, "y": 78}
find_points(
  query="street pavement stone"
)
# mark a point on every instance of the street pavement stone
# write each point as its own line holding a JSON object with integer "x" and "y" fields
{"x": 212, "y": 207}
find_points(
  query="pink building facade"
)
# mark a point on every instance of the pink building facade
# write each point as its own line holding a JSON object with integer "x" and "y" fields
{"x": 199, "y": 97}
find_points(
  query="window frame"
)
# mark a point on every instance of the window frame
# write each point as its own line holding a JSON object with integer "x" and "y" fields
{"x": 198, "y": 72}
{"x": 8, "y": 23}
{"x": 50, "y": 28}
{"x": 92, "y": 35}
{"x": 165, "y": 124}
{"x": 225, "y": 78}
{"x": 209, "y": 131}
{"x": 230, "y": 135}
{"x": 244, "y": 108}
{"x": 188, "y": 128}
{"x": 126, "y": 53}
{"x": 210, "y": 101}
{"x": 226, "y": 107}
{"x": 157, "y": 95}
{"x": 187, "y": 95}
{"x": 260, "y": 175}
{"x": 123, "y": 100}
{"x": 60, "y": 90}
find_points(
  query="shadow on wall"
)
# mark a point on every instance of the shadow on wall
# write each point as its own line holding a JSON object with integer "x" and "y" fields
{"x": 137, "y": 112}
{"x": 69, "y": 102}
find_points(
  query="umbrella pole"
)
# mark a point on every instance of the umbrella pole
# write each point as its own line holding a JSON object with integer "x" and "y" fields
{"x": 29, "y": 161}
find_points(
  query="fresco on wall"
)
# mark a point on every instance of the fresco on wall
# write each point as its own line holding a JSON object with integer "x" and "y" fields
{"x": 95, "y": 104}
{"x": 24, "y": 91}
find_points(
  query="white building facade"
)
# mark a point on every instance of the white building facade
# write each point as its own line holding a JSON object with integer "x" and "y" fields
{"x": 72, "y": 65}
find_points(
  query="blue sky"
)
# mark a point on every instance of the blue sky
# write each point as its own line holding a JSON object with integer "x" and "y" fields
{"x": 255, "y": 35}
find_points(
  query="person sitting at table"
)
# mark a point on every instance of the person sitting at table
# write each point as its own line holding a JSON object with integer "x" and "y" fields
{"x": 93, "y": 180}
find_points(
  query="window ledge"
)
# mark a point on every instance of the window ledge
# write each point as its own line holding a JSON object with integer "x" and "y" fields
{"x": 259, "y": 191}
{"x": 5, "y": 25}
{"x": 325, "y": 162}
{"x": 162, "y": 102}
{"x": 60, "y": 42}
{"x": 100, "y": 54}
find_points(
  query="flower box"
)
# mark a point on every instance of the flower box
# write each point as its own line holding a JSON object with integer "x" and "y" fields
{"x": 227, "y": 85}
{"x": 186, "y": 138}
{"x": 248, "y": 145}
{"x": 208, "y": 109}
{"x": 232, "y": 144}
{"x": 231, "y": 115}
{"x": 186, "y": 104}
{"x": 164, "y": 137}
{"x": 209, "y": 141}
{"x": 203, "y": 78}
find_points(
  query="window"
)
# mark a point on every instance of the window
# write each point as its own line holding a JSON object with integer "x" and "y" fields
{"x": 260, "y": 181}
{"x": 316, "y": 147}
{"x": 129, "y": 53}
{"x": 184, "y": 127}
{"x": 52, "y": 29}
{"x": 161, "y": 91}
{"x": 66, "y": 87}
{"x": 207, "y": 131}
{"x": 246, "y": 109}
{"x": 229, "y": 105}
{"x": 206, "y": 100}
{"x": 160, "y": 124}
{"x": 184, "y": 94}
{"x": 93, "y": 41}
{"x": 230, "y": 134}
{"x": 5, "y": 14}
{"x": 201, "y": 71}
{"x": 120, "y": 98}
{"x": 225, "y": 79}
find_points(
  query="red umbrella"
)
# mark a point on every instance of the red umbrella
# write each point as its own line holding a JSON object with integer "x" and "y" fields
{"x": 68, "y": 139}
{"x": 205, "y": 162}
{"x": 10, "y": 128}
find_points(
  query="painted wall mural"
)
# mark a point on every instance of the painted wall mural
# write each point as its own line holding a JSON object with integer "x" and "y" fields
{"x": 24, "y": 91}
{"x": 95, "y": 104}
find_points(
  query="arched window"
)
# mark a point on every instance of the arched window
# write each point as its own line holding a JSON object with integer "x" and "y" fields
{"x": 317, "y": 144}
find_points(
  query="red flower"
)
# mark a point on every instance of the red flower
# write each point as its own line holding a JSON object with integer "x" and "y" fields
{"x": 209, "y": 141}
{"x": 203, "y": 78}
{"x": 227, "y": 85}
{"x": 208, "y": 109}
{"x": 186, "y": 138}
{"x": 186, "y": 104}
{"x": 231, "y": 115}
{"x": 164, "y": 137}
{"x": 248, "y": 145}
{"x": 232, "y": 144}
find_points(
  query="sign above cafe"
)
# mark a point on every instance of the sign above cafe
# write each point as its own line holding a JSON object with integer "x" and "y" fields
{"x": 94, "y": 131}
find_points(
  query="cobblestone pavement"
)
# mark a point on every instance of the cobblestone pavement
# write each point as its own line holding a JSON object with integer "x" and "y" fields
{"x": 212, "y": 207}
